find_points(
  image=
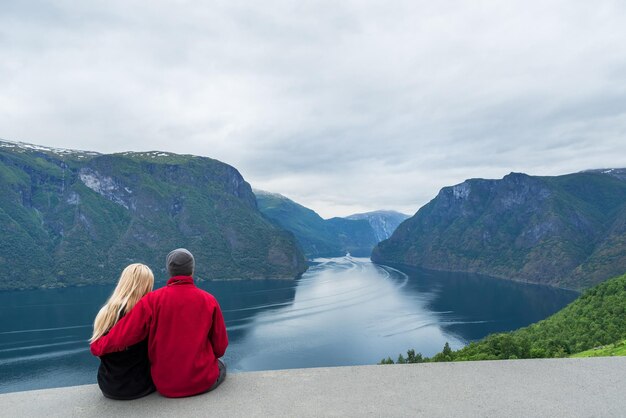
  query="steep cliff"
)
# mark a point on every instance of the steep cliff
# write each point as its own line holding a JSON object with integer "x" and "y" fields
{"x": 567, "y": 231}
{"x": 383, "y": 222}
{"x": 70, "y": 217}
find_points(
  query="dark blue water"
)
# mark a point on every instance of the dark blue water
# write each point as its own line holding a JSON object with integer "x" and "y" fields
{"x": 343, "y": 311}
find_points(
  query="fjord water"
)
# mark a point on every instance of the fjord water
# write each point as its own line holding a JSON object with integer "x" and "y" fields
{"x": 342, "y": 311}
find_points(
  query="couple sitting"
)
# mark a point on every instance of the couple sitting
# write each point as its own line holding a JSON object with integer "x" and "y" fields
{"x": 173, "y": 336}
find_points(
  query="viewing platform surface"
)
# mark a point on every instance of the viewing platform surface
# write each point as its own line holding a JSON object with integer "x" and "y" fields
{"x": 512, "y": 388}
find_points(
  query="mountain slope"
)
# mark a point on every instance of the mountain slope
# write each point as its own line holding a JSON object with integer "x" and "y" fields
{"x": 594, "y": 319}
{"x": 311, "y": 230}
{"x": 70, "y": 217}
{"x": 356, "y": 237}
{"x": 567, "y": 231}
{"x": 318, "y": 237}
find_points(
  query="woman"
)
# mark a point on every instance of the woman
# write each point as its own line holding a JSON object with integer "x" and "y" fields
{"x": 125, "y": 374}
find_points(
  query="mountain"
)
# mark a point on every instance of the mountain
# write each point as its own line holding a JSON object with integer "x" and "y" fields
{"x": 353, "y": 236}
{"x": 567, "y": 231}
{"x": 70, "y": 217}
{"x": 318, "y": 237}
{"x": 595, "y": 319}
{"x": 383, "y": 222}
{"x": 310, "y": 229}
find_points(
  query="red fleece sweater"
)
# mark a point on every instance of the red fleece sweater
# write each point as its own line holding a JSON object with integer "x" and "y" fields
{"x": 186, "y": 335}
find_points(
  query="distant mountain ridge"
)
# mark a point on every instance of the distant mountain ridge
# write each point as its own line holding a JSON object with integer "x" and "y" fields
{"x": 319, "y": 237}
{"x": 619, "y": 173}
{"x": 383, "y": 222}
{"x": 78, "y": 217}
{"x": 567, "y": 231}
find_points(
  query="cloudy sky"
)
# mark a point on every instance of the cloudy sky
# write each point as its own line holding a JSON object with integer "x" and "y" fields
{"x": 343, "y": 106}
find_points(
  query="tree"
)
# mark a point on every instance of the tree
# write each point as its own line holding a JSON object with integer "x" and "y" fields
{"x": 411, "y": 357}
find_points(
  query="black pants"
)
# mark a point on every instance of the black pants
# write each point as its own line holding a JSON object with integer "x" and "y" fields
{"x": 222, "y": 376}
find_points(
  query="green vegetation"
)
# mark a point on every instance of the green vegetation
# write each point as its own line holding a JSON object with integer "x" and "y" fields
{"x": 617, "y": 349}
{"x": 72, "y": 218}
{"x": 595, "y": 319}
{"x": 318, "y": 237}
{"x": 565, "y": 231}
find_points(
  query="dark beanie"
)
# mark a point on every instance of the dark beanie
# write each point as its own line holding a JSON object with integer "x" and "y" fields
{"x": 180, "y": 262}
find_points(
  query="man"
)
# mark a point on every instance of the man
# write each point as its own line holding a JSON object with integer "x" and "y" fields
{"x": 185, "y": 330}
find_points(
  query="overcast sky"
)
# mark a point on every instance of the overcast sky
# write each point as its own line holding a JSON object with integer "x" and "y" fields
{"x": 343, "y": 106}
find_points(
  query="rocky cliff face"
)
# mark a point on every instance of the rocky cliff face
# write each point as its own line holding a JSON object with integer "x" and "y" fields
{"x": 70, "y": 217}
{"x": 383, "y": 222}
{"x": 564, "y": 231}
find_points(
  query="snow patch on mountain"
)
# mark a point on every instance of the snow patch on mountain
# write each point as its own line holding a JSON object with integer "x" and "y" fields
{"x": 107, "y": 187}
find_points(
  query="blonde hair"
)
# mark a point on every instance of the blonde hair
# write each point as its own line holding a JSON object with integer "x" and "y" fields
{"x": 135, "y": 281}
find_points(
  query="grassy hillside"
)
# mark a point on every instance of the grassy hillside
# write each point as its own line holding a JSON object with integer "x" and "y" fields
{"x": 596, "y": 318}
{"x": 617, "y": 349}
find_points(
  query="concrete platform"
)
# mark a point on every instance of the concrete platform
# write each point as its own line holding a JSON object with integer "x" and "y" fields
{"x": 593, "y": 387}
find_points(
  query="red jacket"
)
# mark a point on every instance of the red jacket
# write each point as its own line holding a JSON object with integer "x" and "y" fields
{"x": 186, "y": 335}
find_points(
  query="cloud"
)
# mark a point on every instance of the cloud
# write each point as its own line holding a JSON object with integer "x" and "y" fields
{"x": 342, "y": 106}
